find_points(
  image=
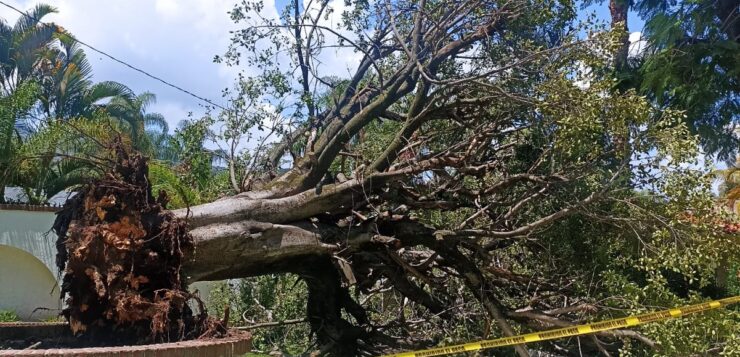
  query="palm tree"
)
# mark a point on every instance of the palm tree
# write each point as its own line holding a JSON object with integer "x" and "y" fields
{"x": 12, "y": 107}
{"x": 69, "y": 91}
{"x": 21, "y": 47}
{"x": 148, "y": 131}
{"x": 730, "y": 188}
{"x": 63, "y": 154}
{"x": 44, "y": 74}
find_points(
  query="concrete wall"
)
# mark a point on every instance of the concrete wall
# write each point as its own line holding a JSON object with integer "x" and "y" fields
{"x": 27, "y": 287}
{"x": 27, "y": 255}
{"x": 30, "y": 231}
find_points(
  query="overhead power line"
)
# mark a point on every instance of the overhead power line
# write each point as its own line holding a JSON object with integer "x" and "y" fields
{"x": 206, "y": 100}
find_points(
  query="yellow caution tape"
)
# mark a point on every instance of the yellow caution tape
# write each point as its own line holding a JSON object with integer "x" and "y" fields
{"x": 573, "y": 330}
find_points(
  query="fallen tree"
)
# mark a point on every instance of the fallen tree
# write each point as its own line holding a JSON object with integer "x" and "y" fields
{"x": 459, "y": 141}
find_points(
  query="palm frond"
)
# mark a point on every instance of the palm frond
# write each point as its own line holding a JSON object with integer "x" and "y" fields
{"x": 144, "y": 100}
{"x": 6, "y": 40}
{"x": 32, "y": 18}
{"x": 28, "y": 48}
{"x": 4, "y": 27}
{"x": 108, "y": 89}
{"x": 156, "y": 120}
{"x": 67, "y": 173}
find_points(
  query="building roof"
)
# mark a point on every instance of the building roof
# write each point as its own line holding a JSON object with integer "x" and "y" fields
{"x": 16, "y": 198}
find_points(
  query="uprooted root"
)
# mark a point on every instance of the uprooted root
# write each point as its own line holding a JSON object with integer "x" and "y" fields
{"x": 121, "y": 252}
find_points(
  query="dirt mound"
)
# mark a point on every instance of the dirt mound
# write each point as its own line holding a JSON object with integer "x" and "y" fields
{"x": 121, "y": 252}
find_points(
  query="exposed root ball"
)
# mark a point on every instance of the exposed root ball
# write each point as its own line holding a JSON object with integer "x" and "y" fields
{"x": 121, "y": 252}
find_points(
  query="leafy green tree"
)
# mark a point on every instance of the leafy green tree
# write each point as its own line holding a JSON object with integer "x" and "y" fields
{"x": 186, "y": 171}
{"x": 693, "y": 64}
{"x": 690, "y": 62}
{"x": 64, "y": 154}
{"x": 13, "y": 108}
{"x": 457, "y": 184}
{"x": 278, "y": 299}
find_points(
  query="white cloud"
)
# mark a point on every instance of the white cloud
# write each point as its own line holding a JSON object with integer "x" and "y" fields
{"x": 174, "y": 40}
{"x": 339, "y": 61}
{"x": 167, "y": 8}
{"x": 173, "y": 112}
{"x": 637, "y": 44}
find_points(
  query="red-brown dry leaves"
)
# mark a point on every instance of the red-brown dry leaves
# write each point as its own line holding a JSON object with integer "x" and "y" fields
{"x": 121, "y": 252}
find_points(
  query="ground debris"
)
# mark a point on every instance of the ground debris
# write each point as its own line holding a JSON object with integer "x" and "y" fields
{"x": 121, "y": 252}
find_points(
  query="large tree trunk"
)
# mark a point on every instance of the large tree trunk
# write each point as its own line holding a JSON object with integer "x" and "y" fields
{"x": 249, "y": 235}
{"x": 256, "y": 233}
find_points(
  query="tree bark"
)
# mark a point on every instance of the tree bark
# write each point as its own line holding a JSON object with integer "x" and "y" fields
{"x": 619, "y": 10}
{"x": 241, "y": 236}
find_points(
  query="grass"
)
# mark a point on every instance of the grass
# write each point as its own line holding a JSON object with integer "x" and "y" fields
{"x": 8, "y": 316}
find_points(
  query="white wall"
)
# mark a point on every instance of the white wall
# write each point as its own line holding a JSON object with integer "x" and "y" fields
{"x": 27, "y": 255}
{"x": 27, "y": 287}
{"x": 30, "y": 231}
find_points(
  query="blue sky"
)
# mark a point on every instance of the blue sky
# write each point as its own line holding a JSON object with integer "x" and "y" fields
{"x": 173, "y": 39}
